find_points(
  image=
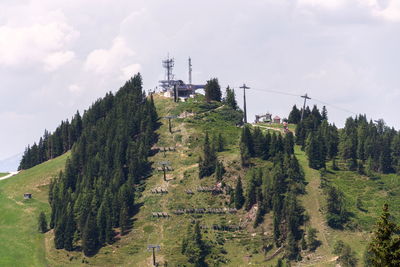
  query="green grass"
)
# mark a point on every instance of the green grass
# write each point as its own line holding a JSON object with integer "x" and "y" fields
{"x": 3, "y": 174}
{"x": 21, "y": 244}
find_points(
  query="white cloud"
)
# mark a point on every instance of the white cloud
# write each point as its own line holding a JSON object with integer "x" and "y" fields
{"x": 328, "y": 4}
{"x": 38, "y": 43}
{"x": 55, "y": 60}
{"x": 390, "y": 12}
{"x": 129, "y": 71}
{"x": 74, "y": 88}
{"x": 103, "y": 61}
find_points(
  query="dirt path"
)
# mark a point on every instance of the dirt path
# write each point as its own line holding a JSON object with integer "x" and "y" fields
{"x": 11, "y": 174}
{"x": 268, "y": 128}
{"x": 312, "y": 200}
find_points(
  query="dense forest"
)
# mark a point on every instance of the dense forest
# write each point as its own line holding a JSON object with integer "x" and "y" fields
{"x": 96, "y": 191}
{"x": 54, "y": 144}
{"x": 365, "y": 146}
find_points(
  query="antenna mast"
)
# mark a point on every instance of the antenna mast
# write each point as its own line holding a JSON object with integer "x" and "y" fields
{"x": 168, "y": 64}
{"x": 190, "y": 70}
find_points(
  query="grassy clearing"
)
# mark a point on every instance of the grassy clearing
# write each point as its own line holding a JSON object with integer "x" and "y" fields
{"x": 21, "y": 244}
{"x": 3, "y": 174}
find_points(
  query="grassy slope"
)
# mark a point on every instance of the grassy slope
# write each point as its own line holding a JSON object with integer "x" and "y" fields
{"x": 169, "y": 232}
{"x": 3, "y": 174}
{"x": 373, "y": 194}
{"x": 21, "y": 244}
{"x": 24, "y": 246}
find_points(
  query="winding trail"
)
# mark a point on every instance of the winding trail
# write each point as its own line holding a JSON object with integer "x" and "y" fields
{"x": 11, "y": 174}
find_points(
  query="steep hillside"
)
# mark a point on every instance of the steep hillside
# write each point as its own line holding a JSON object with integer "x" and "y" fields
{"x": 158, "y": 221}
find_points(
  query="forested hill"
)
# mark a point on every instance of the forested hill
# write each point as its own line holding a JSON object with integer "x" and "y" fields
{"x": 54, "y": 144}
{"x": 96, "y": 191}
{"x": 209, "y": 190}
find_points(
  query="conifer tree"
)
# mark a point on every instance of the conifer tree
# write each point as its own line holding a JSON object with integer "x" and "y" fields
{"x": 59, "y": 233}
{"x": 42, "y": 222}
{"x": 292, "y": 249}
{"x": 239, "y": 198}
{"x": 90, "y": 236}
{"x": 294, "y": 116}
{"x": 213, "y": 90}
{"x": 193, "y": 246}
{"x": 220, "y": 144}
{"x": 312, "y": 241}
{"x": 244, "y": 155}
{"x": 384, "y": 248}
{"x": 324, "y": 113}
{"x": 251, "y": 198}
{"x": 247, "y": 139}
{"x": 208, "y": 164}
{"x": 230, "y": 98}
{"x": 124, "y": 219}
{"x": 70, "y": 228}
{"x": 219, "y": 171}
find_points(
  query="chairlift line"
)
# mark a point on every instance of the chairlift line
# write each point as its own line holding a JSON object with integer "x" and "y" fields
{"x": 296, "y": 95}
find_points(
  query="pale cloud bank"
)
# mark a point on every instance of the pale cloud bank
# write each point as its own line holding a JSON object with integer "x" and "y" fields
{"x": 57, "y": 56}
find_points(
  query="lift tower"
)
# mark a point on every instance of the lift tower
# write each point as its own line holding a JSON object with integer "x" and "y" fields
{"x": 244, "y": 87}
{"x": 304, "y": 105}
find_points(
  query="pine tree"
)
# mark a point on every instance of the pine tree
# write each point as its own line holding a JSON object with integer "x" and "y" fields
{"x": 239, "y": 198}
{"x": 42, "y": 223}
{"x": 294, "y": 116}
{"x": 213, "y": 90}
{"x": 70, "y": 229}
{"x": 208, "y": 164}
{"x": 247, "y": 139}
{"x": 90, "y": 240}
{"x": 384, "y": 248}
{"x": 244, "y": 155}
{"x": 59, "y": 233}
{"x": 230, "y": 98}
{"x": 220, "y": 144}
{"x": 312, "y": 242}
{"x": 124, "y": 219}
{"x": 292, "y": 249}
{"x": 193, "y": 245}
{"x": 324, "y": 114}
{"x": 219, "y": 171}
{"x": 251, "y": 194}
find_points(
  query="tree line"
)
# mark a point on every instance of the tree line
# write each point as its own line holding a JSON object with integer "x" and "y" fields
{"x": 364, "y": 146}
{"x": 94, "y": 197}
{"x": 54, "y": 144}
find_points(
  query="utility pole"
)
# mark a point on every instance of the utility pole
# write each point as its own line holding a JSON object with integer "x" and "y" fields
{"x": 164, "y": 165}
{"x": 169, "y": 122}
{"x": 153, "y": 247}
{"x": 175, "y": 94}
{"x": 304, "y": 105}
{"x": 244, "y": 87}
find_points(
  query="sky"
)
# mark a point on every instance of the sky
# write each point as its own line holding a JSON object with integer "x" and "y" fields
{"x": 57, "y": 57}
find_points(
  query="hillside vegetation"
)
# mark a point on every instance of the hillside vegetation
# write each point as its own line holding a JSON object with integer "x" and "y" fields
{"x": 227, "y": 238}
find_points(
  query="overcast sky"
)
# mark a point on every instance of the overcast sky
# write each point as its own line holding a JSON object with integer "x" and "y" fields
{"x": 57, "y": 57}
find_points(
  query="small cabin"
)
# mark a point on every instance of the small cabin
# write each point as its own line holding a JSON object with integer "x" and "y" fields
{"x": 27, "y": 196}
{"x": 277, "y": 119}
